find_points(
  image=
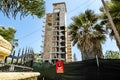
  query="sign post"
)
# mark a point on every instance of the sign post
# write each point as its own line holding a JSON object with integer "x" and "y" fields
{"x": 59, "y": 67}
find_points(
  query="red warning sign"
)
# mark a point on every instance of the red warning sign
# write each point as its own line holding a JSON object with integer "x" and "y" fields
{"x": 59, "y": 67}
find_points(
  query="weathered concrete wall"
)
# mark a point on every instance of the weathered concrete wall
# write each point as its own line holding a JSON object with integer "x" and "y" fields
{"x": 69, "y": 50}
{"x": 5, "y": 48}
{"x": 62, "y": 9}
{"x": 55, "y": 42}
{"x": 19, "y": 75}
{"x": 48, "y": 34}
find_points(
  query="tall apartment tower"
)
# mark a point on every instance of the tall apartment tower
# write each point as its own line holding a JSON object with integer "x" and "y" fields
{"x": 55, "y": 42}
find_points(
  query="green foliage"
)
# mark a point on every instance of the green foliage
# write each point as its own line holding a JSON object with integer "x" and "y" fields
{"x": 112, "y": 55}
{"x": 24, "y": 7}
{"x": 7, "y": 33}
{"x": 114, "y": 9}
{"x": 88, "y": 34}
{"x": 37, "y": 58}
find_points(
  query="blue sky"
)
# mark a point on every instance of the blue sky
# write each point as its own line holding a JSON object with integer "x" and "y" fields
{"x": 29, "y": 29}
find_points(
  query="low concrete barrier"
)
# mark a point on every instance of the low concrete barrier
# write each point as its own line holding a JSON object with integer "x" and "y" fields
{"x": 19, "y": 75}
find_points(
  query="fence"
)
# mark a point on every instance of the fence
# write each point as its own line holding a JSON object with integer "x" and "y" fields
{"x": 21, "y": 61}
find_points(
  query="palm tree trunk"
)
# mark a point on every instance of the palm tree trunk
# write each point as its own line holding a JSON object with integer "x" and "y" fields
{"x": 118, "y": 45}
{"x": 117, "y": 37}
{"x": 90, "y": 51}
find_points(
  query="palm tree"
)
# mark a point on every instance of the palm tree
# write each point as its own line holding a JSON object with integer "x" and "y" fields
{"x": 24, "y": 7}
{"x": 88, "y": 34}
{"x": 114, "y": 9}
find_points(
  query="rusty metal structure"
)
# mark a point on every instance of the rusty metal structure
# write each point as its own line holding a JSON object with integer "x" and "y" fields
{"x": 18, "y": 61}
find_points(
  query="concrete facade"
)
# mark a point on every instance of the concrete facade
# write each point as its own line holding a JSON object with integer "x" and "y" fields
{"x": 56, "y": 37}
{"x": 5, "y": 48}
{"x": 69, "y": 51}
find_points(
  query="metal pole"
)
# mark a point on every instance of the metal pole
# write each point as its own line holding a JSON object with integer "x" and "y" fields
{"x": 111, "y": 21}
{"x": 22, "y": 56}
{"x": 18, "y": 56}
{"x": 43, "y": 78}
{"x": 13, "y": 57}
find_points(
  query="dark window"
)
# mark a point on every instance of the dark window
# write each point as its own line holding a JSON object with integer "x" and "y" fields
{"x": 62, "y": 55}
{"x": 62, "y": 27}
{"x": 57, "y": 23}
{"x": 57, "y": 18}
{"x": 57, "y": 38}
{"x": 50, "y": 24}
{"x": 57, "y": 49}
{"x": 57, "y": 55}
{"x": 46, "y": 61}
{"x": 63, "y": 49}
{"x": 62, "y": 43}
{"x": 63, "y": 32}
{"x": 57, "y": 33}
{"x": 57, "y": 14}
{"x": 63, "y": 37}
{"x": 57, "y": 44}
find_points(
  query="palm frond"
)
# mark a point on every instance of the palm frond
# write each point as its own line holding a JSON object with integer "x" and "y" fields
{"x": 24, "y": 7}
{"x": 87, "y": 34}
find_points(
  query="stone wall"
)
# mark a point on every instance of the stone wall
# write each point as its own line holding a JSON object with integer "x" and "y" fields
{"x": 5, "y": 48}
{"x": 19, "y": 75}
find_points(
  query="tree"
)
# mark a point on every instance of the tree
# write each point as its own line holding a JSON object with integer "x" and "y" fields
{"x": 114, "y": 9}
{"x": 112, "y": 55}
{"x": 24, "y": 7}
{"x": 7, "y": 33}
{"x": 37, "y": 57}
{"x": 88, "y": 34}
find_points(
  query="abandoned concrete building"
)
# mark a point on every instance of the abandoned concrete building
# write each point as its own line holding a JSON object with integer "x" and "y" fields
{"x": 57, "y": 44}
